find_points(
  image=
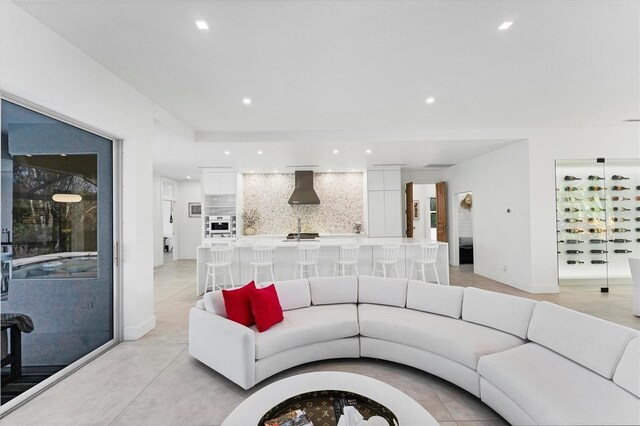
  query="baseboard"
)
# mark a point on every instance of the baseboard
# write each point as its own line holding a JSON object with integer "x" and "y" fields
{"x": 134, "y": 333}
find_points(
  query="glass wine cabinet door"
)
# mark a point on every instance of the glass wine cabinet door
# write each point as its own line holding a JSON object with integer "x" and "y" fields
{"x": 598, "y": 220}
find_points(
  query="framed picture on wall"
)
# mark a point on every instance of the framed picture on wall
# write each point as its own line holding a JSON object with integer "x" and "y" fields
{"x": 195, "y": 209}
{"x": 416, "y": 210}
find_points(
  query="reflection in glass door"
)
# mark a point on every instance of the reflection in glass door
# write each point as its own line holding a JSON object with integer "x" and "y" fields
{"x": 57, "y": 246}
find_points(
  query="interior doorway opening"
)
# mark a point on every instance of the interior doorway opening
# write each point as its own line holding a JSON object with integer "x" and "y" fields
{"x": 169, "y": 228}
{"x": 464, "y": 207}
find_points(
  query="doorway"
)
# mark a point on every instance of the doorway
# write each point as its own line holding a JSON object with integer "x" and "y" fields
{"x": 464, "y": 208}
{"x": 169, "y": 228}
{"x": 422, "y": 210}
{"x": 59, "y": 298}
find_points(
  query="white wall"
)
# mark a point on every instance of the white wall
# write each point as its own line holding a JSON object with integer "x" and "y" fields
{"x": 42, "y": 67}
{"x": 465, "y": 218}
{"x": 499, "y": 181}
{"x": 158, "y": 254}
{"x": 187, "y": 228}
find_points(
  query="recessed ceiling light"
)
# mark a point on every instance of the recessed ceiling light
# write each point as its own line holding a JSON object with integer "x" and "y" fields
{"x": 505, "y": 25}
{"x": 246, "y": 101}
{"x": 259, "y": 152}
{"x": 250, "y": 171}
{"x": 275, "y": 171}
{"x": 63, "y": 155}
{"x": 227, "y": 153}
{"x": 353, "y": 170}
{"x": 430, "y": 100}
{"x": 329, "y": 170}
{"x": 368, "y": 151}
{"x": 202, "y": 25}
{"x": 188, "y": 177}
{"x": 29, "y": 155}
{"x": 335, "y": 151}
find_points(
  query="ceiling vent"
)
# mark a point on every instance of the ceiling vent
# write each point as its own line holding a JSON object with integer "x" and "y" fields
{"x": 438, "y": 166}
{"x": 631, "y": 120}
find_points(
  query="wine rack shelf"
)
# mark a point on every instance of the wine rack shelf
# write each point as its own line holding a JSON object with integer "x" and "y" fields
{"x": 598, "y": 220}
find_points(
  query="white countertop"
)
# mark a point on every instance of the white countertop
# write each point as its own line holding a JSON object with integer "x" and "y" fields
{"x": 333, "y": 240}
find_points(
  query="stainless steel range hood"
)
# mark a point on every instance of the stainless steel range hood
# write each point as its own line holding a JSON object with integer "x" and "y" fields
{"x": 304, "y": 192}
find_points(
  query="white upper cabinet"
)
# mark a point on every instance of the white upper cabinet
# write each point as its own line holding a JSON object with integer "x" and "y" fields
{"x": 375, "y": 180}
{"x": 392, "y": 180}
{"x": 219, "y": 183}
{"x": 228, "y": 181}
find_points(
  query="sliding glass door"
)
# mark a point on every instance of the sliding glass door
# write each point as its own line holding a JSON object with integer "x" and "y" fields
{"x": 57, "y": 246}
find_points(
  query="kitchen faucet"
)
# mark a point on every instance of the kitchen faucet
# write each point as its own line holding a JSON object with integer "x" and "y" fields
{"x": 299, "y": 228}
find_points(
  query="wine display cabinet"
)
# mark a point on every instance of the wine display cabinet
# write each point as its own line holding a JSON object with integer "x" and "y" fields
{"x": 598, "y": 220}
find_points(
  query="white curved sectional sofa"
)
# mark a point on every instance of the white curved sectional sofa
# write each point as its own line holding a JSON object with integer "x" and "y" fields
{"x": 532, "y": 362}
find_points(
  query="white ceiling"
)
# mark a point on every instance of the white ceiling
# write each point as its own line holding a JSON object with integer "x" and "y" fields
{"x": 329, "y": 71}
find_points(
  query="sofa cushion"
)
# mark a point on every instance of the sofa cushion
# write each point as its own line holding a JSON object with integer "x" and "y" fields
{"x": 434, "y": 298}
{"x": 293, "y": 294}
{"x": 266, "y": 308}
{"x": 627, "y": 373}
{"x": 382, "y": 291}
{"x": 214, "y": 302}
{"x": 328, "y": 290}
{"x": 454, "y": 339}
{"x": 237, "y": 303}
{"x": 595, "y": 343}
{"x": 200, "y": 304}
{"x": 554, "y": 390}
{"x": 308, "y": 325}
{"x": 496, "y": 310}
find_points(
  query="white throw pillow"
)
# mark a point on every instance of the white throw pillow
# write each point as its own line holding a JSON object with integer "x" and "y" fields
{"x": 382, "y": 291}
{"x": 496, "y": 310}
{"x": 214, "y": 302}
{"x": 435, "y": 298}
{"x": 293, "y": 294}
{"x": 627, "y": 373}
{"x": 327, "y": 290}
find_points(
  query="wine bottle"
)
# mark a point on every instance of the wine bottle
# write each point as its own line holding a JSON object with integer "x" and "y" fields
{"x": 574, "y": 251}
{"x": 597, "y": 241}
{"x": 637, "y": 229}
{"x": 596, "y": 209}
{"x": 595, "y": 199}
{"x": 620, "y": 240}
{"x": 574, "y": 262}
{"x": 621, "y": 219}
{"x": 638, "y": 209}
{"x": 574, "y": 231}
{"x": 616, "y": 198}
{"x": 637, "y": 240}
{"x": 595, "y": 219}
{"x": 572, "y": 199}
{"x": 618, "y": 177}
{"x": 571, "y": 241}
{"x": 621, "y": 209}
{"x": 638, "y": 218}
{"x": 597, "y": 230}
{"x": 618, "y": 188}
{"x": 619, "y": 230}
{"x": 572, "y": 210}
{"x": 599, "y": 251}
{"x": 592, "y": 177}
{"x": 638, "y": 188}
{"x": 622, "y": 251}
{"x": 638, "y": 197}
{"x": 598, "y": 262}
{"x": 572, "y": 220}
{"x": 570, "y": 178}
{"x": 570, "y": 188}
{"x": 596, "y": 188}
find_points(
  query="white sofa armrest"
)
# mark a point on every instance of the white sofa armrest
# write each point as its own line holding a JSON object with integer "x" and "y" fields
{"x": 224, "y": 345}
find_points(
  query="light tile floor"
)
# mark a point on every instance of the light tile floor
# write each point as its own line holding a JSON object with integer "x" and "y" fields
{"x": 154, "y": 381}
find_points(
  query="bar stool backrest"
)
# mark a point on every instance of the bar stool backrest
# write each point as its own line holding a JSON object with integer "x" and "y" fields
{"x": 221, "y": 255}
{"x": 309, "y": 253}
{"x": 263, "y": 255}
{"x": 349, "y": 254}
{"x": 390, "y": 254}
{"x": 429, "y": 253}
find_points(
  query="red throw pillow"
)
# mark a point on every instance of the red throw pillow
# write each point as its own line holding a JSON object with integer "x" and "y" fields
{"x": 266, "y": 307}
{"x": 237, "y": 303}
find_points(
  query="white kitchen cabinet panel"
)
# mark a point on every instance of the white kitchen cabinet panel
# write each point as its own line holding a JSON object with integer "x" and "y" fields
{"x": 392, "y": 213}
{"x": 376, "y": 213}
{"x": 210, "y": 183}
{"x": 375, "y": 180}
{"x": 228, "y": 181}
{"x": 392, "y": 180}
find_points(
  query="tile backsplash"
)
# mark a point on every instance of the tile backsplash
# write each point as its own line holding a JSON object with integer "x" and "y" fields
{"x": 341, "y": 203}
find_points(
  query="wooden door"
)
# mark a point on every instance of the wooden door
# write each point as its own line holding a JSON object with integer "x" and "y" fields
{"x": 409, "y": 208}
{"x": 441, "y": 211}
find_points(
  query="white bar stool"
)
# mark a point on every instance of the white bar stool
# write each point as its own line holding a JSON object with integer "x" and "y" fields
{"x": 428, "y": 255}
{"x": 221, "y": 257}
{"x": 389, "y": 258}
{"x": 348, "y": 258}
{"x": 308, "y": 257}
{"x": 263, "y": 258}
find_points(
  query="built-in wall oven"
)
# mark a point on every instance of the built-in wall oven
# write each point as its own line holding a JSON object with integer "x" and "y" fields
{"x": 220, "y": 226}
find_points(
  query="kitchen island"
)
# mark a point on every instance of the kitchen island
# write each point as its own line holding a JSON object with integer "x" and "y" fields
{"x": 286, "y": 256}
